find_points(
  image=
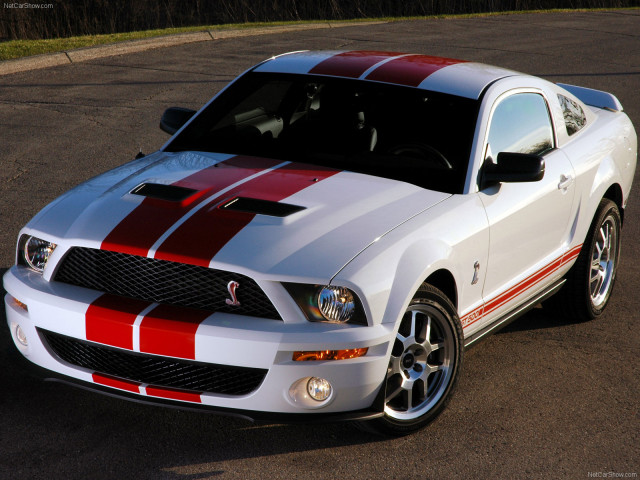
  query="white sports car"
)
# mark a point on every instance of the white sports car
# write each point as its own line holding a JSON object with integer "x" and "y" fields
{"x": 324, "y": 238}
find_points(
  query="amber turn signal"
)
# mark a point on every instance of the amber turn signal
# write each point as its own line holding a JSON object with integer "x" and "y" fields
{"x": 330, "y": 354}
{"x": 20, "y": 304}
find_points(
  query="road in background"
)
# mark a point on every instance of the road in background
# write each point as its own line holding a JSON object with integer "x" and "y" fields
{"x": 540, "y": 399}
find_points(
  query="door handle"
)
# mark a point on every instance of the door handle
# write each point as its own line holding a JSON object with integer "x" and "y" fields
{"x": 565, "y": 182}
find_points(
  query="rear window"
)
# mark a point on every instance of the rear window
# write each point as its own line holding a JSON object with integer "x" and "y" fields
{"x": 574, "y": 117}
{"x": 391, "y": 131}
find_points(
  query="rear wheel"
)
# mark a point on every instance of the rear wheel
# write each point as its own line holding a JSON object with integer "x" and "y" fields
{"x": 424, "y": 366}
{"x": 590, "y": 281}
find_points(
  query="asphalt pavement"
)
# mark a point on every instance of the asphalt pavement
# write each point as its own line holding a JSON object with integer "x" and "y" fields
{"x": 542, "y": 399}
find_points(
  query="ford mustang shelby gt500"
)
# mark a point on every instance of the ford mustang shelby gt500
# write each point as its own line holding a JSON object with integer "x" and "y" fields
{"x": 324, "y": 238}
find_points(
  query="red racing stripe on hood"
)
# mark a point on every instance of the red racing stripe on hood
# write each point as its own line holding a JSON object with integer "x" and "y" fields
{"x": 199, "y": 238}
{"x": 139, "y": 230}
{"x": 171, "y": 331}
{"x": 410, "y": 70}
{"x": 109, "y": 320}
{"x": 351, "y": 64}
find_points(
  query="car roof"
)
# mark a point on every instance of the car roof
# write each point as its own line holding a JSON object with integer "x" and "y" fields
{"x": 439, "y": 74}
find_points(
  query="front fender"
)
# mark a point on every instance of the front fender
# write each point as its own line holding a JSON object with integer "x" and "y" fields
{"x": 453, "y": 235}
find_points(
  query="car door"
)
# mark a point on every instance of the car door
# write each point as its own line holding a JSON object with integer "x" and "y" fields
{"x": 529, "y": 222}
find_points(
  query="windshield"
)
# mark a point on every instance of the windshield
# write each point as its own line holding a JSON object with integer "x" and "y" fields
{"x": 390, "y": 131}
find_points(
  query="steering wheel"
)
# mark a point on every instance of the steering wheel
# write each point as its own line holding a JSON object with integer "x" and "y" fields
{"x": 421, "y": 151}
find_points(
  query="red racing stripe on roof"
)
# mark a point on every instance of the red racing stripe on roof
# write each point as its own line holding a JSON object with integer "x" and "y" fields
{"x": 139, "y": 230}
{"x": 199, "y": 238}
{"x": 351, "y": 64}
{"x": 109, "y": 320}
{"x": 171, "y": 331}
{"x": 410, "y": 70}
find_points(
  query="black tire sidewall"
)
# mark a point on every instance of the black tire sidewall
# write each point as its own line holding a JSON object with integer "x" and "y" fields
{"x": 605, "y": 209}
{"x": 430, "y": 296}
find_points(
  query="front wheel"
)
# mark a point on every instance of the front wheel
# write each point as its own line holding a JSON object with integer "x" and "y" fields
{"x": 424, "y": 365}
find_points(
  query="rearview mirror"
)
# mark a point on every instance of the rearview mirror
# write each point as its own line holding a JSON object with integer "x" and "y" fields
{"x": 513, "y": 168}
{"x": 174, "y": 118}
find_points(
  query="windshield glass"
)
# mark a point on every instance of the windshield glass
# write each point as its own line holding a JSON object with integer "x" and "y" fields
{"x": 390, "y": 131}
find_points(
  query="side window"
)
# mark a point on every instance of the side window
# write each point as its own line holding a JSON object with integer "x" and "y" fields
{"x": 521, "y": 124}
{"x": 574, "y": 117}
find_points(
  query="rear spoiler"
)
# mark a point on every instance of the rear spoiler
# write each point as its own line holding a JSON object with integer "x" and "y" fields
{"x": 594, "y": 98}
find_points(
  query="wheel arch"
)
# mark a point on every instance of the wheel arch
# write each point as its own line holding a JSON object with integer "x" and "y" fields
{"x": 614, "y": 193}
{"x": 444, "y": 281}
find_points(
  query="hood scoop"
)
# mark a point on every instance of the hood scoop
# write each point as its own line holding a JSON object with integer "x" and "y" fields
{"x": 261, "y": 207}
{"x": 159, "y": 191}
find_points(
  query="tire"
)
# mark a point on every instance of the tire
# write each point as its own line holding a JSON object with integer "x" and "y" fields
{"x": 590, "y": 281}
{"x": 424, "y": 366}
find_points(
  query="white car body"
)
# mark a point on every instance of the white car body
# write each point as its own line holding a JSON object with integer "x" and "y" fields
{"x": 494, "y": 252}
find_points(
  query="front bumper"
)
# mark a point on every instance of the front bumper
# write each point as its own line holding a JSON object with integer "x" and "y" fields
{"x": 220, "y": 339}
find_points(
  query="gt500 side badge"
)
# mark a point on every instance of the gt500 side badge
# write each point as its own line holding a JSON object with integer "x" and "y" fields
{"x": 232, "y": 286}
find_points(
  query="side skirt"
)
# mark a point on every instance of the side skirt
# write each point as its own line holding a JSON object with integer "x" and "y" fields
{"x": 509, "y": 317}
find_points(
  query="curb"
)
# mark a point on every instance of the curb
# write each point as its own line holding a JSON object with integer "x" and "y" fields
{"x": 132, "y": 46}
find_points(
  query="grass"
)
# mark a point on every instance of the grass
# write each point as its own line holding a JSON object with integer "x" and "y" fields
{"x": 23, "y": 48}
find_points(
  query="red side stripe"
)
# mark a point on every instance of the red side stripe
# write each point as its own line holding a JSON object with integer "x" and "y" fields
{"x": 199, "y": 238}
{"x": 410, "y": 70}
{"x": 115, "y": 382}
{"x": 109, "y": 320}
{"x": 571, "y": 254}
{"x": 174, "y": 394}
{"x": 351, "y": 64}
{"x": 170, "y": 330}
{"x": 513, "y": 292}
{"x": 139, "y": 230}
{"x": 520, "y": 288}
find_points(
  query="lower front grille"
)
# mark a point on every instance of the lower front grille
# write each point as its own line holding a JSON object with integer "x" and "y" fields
{"x": 154, "y": 370}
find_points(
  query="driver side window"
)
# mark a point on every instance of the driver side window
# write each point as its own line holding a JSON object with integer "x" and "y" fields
{"x": 521, "y": 124}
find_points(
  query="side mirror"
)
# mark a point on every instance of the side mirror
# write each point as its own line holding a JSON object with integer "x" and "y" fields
{"x": 174, "y": 118}
{"x": 513, "y": 168}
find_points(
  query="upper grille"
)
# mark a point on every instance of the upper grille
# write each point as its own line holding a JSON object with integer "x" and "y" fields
{"x": 155, "y": 370}
{"x": 161, "y": 281}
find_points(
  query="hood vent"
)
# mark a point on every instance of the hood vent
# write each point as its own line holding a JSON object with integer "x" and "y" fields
{"x": 262, "y": 207}
{"x": 170, "y": 193}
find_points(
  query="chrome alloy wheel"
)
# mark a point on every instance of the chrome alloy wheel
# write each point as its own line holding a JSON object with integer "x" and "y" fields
{"x": 603, "y": 258}
{"x": 421, "y": 364}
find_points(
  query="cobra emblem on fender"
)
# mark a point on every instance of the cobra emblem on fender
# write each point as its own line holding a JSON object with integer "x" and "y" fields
{"x": 232, "y": 286}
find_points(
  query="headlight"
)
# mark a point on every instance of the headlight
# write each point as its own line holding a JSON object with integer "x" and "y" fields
{"x": 34, "y": 252}
{"x": 327, "y": 303}
{"x": 336, "y": 304}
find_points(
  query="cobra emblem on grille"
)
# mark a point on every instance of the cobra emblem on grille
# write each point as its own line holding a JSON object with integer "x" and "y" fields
{"x": 232, "y": 286}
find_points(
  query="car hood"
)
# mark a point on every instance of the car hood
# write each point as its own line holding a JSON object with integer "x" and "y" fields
{"x": 244, "y": 214}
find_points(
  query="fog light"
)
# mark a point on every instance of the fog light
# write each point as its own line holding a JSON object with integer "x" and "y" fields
{"x": 318, "y": 388}
{"x": 21, "y": 336}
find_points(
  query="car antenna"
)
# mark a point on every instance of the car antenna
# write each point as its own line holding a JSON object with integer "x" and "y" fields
{"x": 140, "y": 154}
